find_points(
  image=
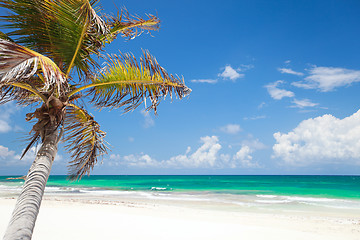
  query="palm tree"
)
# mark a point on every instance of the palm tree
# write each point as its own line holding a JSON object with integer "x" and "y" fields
{"x": 47, "y": 60}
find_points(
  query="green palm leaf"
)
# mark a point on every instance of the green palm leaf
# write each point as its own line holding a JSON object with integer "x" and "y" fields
{"x": 76, "y": 34}
{"x": 130, "y": 26}
{"x": 24, "y": 94}
{"x": 5, "y": 37}
{"x": 85, "y": 140}
{"x": 19, "y": 65}
{"x": 124, "y": 82}
{"x": 68, "y": 31}
{"x": 31, "y": 23}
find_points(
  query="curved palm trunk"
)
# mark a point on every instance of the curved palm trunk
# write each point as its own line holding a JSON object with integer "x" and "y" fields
{"x": 28, "y": 204}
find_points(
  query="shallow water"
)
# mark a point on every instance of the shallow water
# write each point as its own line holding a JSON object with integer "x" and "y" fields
{"x": 280, "y": 193}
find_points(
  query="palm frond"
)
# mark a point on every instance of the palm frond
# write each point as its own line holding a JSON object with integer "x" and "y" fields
{"x": 91, "y": 27}
{"x": 24, "y": 94}
{"x": 98, "y": 24}
{"x": 19, "y": 64}
{"x": 130, "y": 26}
{"x": 67, "y": 31}
{"x": 85, "y": 141}
{"x": 33, "y": 140}
{"x": 125, "y": 82}
{"x": 30, "y": 22}
{"x": 5, "y": 37}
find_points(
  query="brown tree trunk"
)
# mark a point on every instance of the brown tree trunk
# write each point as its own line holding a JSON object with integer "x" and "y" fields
{"x": 28, "y": 204}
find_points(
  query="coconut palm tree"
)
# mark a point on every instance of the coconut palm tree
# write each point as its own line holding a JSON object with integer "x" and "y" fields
{"x": 48, "y": 60}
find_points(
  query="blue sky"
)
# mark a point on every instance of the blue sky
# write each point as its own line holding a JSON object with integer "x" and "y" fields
{"x": 275, "y": 91}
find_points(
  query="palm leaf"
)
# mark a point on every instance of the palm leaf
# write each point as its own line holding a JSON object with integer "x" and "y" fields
{"x": 85, "y": 140}
{"x": 130, "y": 26}
{"x": 85, "y": 40}
{"x": 5, "y": 37}
{"x": 76, "y": 33}
{"x": 24, "y": 94}
{"x": 127, "y": 83}
{"x": 19, "y": 64}
{"x": 30, "y": 23}
{"x": 67, "y": 31}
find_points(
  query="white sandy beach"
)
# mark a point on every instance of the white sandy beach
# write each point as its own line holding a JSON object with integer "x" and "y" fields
{"x": 82, "y": 218}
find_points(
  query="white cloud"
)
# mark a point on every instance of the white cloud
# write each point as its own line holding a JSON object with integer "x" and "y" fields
{"x": 327, "y": 79}
{"x": 6, "y": 153}
{"x": 148, "y": 121}
{"x": 244, "y": 159}
{"x": 303, "y": 103}
{"x": 290, "y": 71}
{"x": 205, "y": 156}
{"x": 143, "y": 160}
{"x": 325, "y": 139}
{"x": 277, "y": 93}
{"x": 254, "y": 144}
{"x": 211, "y": 81}
{"x": 231, "y": 129}
{"x": 231, "y": 74}
{"x": 4, "y": 126}
{"x": 11, "y": 158}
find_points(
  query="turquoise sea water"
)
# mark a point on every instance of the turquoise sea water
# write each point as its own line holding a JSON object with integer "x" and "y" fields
{"x": 341, "y": 192}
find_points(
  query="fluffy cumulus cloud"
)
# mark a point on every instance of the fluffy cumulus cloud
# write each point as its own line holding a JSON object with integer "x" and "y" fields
{"x": 143, "y": 160}
{"x": 203, "y": 157}
{"x": 319, "y": 140}
{"x": 206, "y": 156}
{"x": 277, "y": 93}
{"x": 303, "y": 103}
{"x": 11, "y": 158}
{"x": 326, "y": 79}
{"x": 6, "y": 153}
{"x": 243, "y": 158}
{"x": 231, "y": 129}
{"x": 290, "y": 71}
{"x": 231, "y": 74}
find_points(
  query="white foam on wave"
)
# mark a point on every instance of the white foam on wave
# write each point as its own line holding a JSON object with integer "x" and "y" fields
{"x": 106, "y": 192}
{"x": 273, "y": 201}
{"x": 267, "y": 196}
{"x": 158, "y": 188}
{"x": 312, "y": 199}
{"x": 9, "y": 187}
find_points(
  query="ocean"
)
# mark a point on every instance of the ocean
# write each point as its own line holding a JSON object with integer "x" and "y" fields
{"x": 291, "y": 193}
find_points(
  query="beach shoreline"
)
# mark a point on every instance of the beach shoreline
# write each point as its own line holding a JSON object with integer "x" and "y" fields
{"x": 84, "y": 216}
